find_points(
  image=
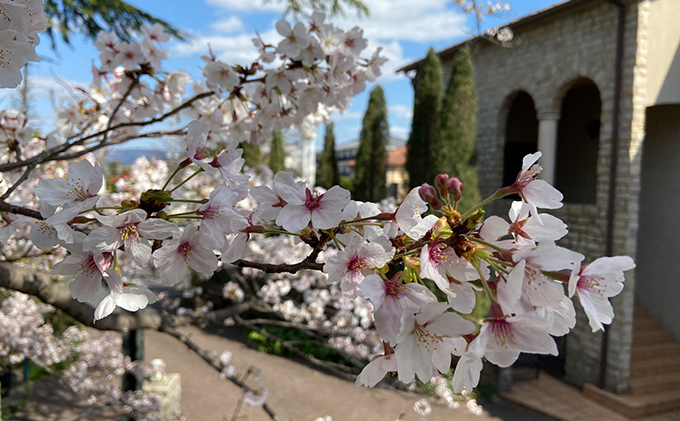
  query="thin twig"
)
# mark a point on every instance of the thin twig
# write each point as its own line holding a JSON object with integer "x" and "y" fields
{"x": 50, "y": 155}
{"x": 166, "y": 328}
{"x": 20, "y": 181}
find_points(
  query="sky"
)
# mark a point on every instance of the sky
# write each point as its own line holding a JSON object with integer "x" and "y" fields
{"x": 405, "y": 29}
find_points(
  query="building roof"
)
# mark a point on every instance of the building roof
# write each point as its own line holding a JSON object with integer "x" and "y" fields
{"x": 393, "y": 142}
{"x": 395, "y": 158}
{"x": 514, "y": 25}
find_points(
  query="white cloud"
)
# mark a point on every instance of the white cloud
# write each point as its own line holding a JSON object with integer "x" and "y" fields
{"x": 347, "y": 115}
{"x": 408, "y": 20}
{"x": 236, "y": 49}
{"x": 401, "y": 111}
{"x": 229, "y": 25}
{"x": 400, "y": 132}
{"x": 250, "y": 6}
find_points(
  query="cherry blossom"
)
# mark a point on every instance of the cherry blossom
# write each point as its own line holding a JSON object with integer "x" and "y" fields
{"x": 173, "y": 259}
{"x": 323, "y": 210}
{"x": 352, "y": 264}
{"x": 422, "y": 348}
{"x": 596, "y": 283}
{"x": 391, "y": 300}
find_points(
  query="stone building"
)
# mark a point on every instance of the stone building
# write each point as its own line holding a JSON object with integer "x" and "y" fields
{"x": 585, "y": 81}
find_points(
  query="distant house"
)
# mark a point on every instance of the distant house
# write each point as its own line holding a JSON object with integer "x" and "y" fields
{"x": 595, "y": 85}
{"x": 346, "y": 153}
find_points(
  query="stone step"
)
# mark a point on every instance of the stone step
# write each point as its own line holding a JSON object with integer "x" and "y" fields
{"x": 648, "y": 352}
{"x": 643, "y": 368}
{"x": 652, "y": 337}
{"x": 643, "y": 324}
{"x": 635, "y": 406}
{"x": 654, "y": 383}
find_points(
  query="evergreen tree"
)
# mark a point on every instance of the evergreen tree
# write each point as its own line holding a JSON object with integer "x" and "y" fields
{"x": 277, "y": 157}
{"x": 425, "y": 123}
{"x": 371, "y": 160}
{"x": 91, "y": 16}
{"x": 455, "y": 147}
{"x": 251, "y": 154}
{"x": 327, "y": 174}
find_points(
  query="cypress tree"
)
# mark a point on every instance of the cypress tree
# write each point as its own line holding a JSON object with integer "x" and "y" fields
{"x": 277, "y": 157}
{"x": 371, "y": 160}
{"x": 455, "y": 148}
{"x": 327, "y": 174}
{"x": 425, "y": 123}
{"x": 251, "y": 154}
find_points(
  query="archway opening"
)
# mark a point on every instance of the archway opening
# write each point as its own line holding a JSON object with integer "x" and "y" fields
{"x": 521, "y": 135}
{"x": 578, "y": 142}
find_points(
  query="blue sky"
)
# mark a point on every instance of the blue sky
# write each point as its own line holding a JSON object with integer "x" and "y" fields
{"x": 404, "y": 28}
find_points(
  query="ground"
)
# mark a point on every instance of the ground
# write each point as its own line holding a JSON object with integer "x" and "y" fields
{"x": 296, "y": 392}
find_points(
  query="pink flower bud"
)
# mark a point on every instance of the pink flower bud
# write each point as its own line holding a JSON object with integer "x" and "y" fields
{"x": 455, "y": 188}
{"x": 429, "y": 195}
{"x": 441, "y": 182}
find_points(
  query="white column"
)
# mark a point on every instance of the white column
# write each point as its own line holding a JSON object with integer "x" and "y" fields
{"x": 547, "y": 144}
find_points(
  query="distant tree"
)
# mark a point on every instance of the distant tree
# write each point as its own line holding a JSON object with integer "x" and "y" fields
{"x": 277, "y": 156}
{"x": 327, "y": 174}
{"x": 455, "y": 147}
{"x": 371, "y": 160}
{"x": 252, "y": 154}
{"x": 425, "y": 123}
{"x": 91, "y": 16}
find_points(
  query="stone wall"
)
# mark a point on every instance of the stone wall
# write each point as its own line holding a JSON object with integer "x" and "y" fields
{"x": 548, "y": 55}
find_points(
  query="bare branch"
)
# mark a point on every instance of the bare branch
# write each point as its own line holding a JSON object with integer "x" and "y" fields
{"x": 308, "y": 263}
{"x": 271, "y": 268}
{"x": 52, "y": 154}
{"x": 55, "y": 293}
{"x": 20, "y": 210}
{"x": 20, "y": 181}
{"x": 211, "y": 361}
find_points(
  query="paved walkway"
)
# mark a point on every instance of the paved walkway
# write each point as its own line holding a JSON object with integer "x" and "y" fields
{"x": 297, "y": 392}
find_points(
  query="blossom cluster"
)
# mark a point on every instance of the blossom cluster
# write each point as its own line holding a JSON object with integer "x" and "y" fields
{"x": 92, "y": 361}
{"x": 20, "y": 22}
{"x": 435, "y": 282}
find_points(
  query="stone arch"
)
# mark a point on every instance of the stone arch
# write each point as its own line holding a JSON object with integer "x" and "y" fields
{"x": 519, "y": 125}
{"x": 578, "y": 140}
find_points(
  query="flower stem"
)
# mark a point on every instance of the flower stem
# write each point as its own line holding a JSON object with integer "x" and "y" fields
{"x": 174, "y": 173}
{"x": 198, "y": 171}
{"x": 499, "y": 193}
{"x": 201, "y": 201}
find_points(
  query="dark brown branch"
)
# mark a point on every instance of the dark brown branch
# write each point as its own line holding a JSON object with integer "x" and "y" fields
{"x": 282, "y": 268}
{"x": 166, "y": 328}
{"x": 19, "y": 210}
{"x": 117, "y": 142}
{"x": 308, "y": 263}
{"x": 51, "y": 154}
{"x": 20, "y": 181}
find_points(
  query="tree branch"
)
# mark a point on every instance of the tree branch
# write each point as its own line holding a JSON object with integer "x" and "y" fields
{"x": 19, "y": 210}
{"x": 166, "y": 328}
{"x": 308, "y": 263}
{"x": 52, "y": 154}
